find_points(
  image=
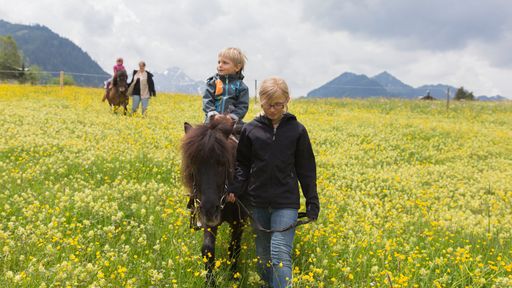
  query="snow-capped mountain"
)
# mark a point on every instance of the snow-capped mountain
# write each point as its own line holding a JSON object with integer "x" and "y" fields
{"x": 175, "y": 80}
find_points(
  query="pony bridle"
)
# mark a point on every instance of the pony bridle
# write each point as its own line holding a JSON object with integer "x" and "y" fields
{"x": 197, "y": 202}
{"x": 119, "y": 81}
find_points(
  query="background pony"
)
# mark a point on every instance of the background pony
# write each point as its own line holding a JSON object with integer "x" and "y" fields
{"x": 118, "y": 94}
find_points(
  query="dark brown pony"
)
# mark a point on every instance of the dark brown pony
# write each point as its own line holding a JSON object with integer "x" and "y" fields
{"x": 117, "y": 96}
{"x": 208, "y": 155}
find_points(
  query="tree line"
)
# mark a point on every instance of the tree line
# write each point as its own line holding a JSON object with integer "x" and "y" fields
{"x": 13, "y": 68}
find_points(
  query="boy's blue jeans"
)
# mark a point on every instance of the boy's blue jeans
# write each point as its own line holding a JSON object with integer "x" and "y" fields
{"x": 136, "y": 100}
{"x": 274, "y": 250}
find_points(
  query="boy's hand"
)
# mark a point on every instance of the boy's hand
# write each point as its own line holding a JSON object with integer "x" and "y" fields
{"x": 217, "y": 116}
{"x": 231, "y": 198}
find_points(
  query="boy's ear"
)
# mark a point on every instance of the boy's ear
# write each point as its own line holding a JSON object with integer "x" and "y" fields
{"x": 238, "y": 67}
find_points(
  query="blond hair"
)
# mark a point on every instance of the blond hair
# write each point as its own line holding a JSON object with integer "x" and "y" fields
{"x": 235, "y": 55}
{"x": 272, "y": 88}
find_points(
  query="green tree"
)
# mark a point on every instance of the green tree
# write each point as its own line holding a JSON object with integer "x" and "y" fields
{"x": 34, "y": 75}
{"x": 11, "y": 60}
{"x": 463, "y": 94}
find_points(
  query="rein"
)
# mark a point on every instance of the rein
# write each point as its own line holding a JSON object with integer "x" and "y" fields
{"x": 197, "y": 225}
{"x": 195, "y": 219}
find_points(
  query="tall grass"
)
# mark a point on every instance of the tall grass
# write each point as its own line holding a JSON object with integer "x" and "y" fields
{"x": 412, "y": 194}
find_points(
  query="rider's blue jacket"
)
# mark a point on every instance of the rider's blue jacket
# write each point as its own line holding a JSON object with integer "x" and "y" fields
{"x": 226, "y": 94}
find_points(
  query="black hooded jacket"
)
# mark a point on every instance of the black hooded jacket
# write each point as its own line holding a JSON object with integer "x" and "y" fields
{"x": 273, "y": 162}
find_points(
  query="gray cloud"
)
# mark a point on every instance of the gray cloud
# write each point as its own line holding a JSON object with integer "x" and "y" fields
{"x": 433, "y": 24}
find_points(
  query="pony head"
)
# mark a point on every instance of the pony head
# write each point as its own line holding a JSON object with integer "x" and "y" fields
{"x": 208, "y": 155}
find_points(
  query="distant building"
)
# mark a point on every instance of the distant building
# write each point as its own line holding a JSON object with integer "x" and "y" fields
{"x": 427, "y": 97}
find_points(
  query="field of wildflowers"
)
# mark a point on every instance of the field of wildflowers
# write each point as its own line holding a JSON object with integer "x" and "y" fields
{"x": 412, "y": 195}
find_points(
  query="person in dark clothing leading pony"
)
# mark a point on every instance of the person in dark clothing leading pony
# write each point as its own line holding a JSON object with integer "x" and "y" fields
{"x": 274, "y": 154}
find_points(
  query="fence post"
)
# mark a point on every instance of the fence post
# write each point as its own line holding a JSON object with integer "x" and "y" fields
{"x": 447, "y": 98}
{"x": 61, "y": 79}
{"x": 255, "y": 91}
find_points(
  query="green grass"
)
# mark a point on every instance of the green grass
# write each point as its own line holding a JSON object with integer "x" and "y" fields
{"x": 412, "y": 194}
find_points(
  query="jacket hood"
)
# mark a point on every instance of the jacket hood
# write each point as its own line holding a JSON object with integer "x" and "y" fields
{"x": 230, "y": 77}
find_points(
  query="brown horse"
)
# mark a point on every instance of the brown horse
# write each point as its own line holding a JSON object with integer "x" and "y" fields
{"x": 208, "y": 153}
{"x": 117, "y": 95}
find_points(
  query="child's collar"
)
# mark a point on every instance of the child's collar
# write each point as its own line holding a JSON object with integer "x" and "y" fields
{"x": 235, "y": 76}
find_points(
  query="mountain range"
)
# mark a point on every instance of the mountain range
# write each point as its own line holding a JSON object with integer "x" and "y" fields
{"x": 52, "y": 53}
{"x": 43, "y": 47}
{"x": 174, "y": 79}
{"x": 352, "y": 85}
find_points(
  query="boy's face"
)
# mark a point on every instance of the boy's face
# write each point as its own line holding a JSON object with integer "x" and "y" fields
{"x": 226, "y": 66}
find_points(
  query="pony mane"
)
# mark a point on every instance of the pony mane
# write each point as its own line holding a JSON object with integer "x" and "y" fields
{"x": 121, "y": 72}
{"x": 118, "y": 74}
{"x": 208, "y": 142}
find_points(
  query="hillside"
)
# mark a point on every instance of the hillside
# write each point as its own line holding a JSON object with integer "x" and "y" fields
{"x": 437, "y": 91}
{"x": 174, "y": 79}
{"x": 351, "y": 85}
{"x": 51, "y": 52}
{"x": 394, "y": 86}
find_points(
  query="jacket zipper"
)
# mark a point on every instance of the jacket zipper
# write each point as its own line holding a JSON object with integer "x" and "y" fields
{"x": 226, "y": 95}
{"x": 275, "y": 131}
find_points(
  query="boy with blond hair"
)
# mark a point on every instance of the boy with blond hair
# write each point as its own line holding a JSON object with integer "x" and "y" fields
{"x": 226, "y": 93}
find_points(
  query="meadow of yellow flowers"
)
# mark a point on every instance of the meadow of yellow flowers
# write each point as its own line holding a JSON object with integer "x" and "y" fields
{"x": 412, "y": 194}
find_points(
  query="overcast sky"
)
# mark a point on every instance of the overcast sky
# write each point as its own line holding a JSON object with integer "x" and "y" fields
{"x": 308, "y": 42}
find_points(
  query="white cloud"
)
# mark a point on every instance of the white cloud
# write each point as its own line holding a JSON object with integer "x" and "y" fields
{"x": 306, "y": 42}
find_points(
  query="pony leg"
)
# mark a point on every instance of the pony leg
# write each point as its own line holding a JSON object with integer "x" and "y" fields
{"x": 105, "y": 96}
{"x": 107, "y": 93}
{"x": 208, "y": 253}
{"x": 234, "y": 245}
